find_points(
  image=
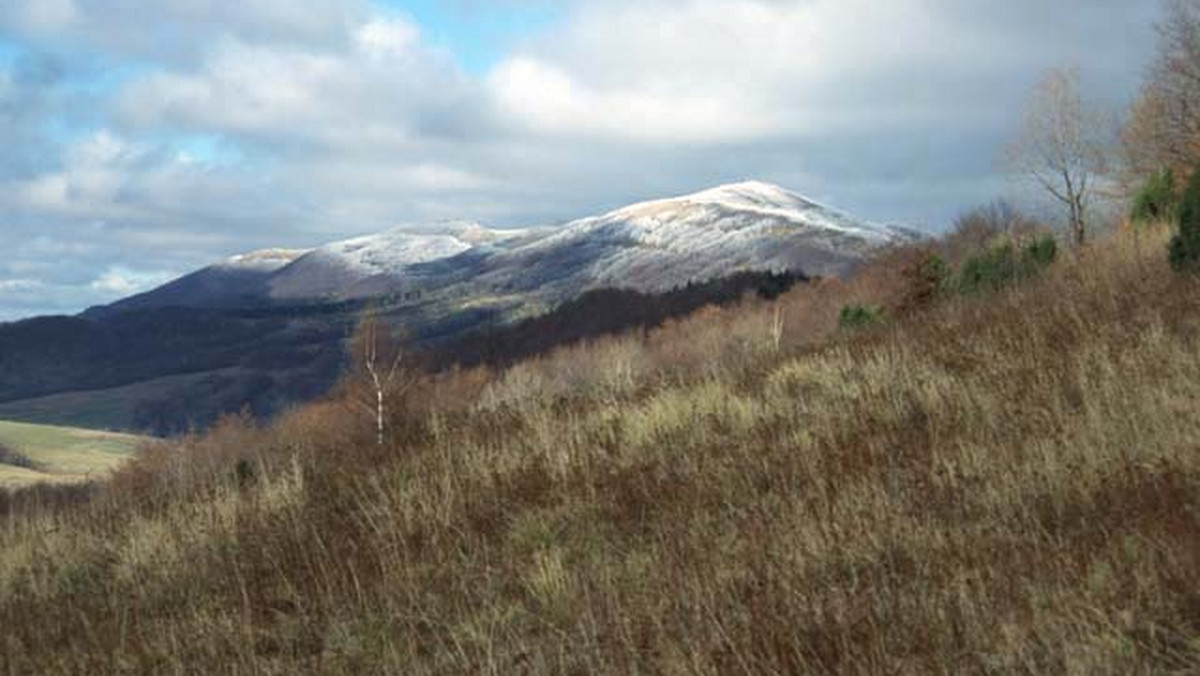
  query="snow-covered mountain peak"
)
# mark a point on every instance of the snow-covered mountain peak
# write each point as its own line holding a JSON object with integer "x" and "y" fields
{"x": 747, "y": 196}
{"x": 752, "y": 195}
{"x": 749, "y": 207}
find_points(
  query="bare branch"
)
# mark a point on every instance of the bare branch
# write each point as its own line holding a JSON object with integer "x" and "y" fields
{"x": 1062, "y": 145}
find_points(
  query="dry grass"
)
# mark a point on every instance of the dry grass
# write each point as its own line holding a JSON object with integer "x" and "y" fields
{"x": 995, "y": 485}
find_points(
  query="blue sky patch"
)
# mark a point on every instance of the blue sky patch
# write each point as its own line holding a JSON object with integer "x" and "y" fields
{"x": 478, "y": 35}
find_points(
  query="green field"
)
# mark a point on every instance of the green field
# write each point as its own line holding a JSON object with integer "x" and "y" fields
{"x": 62, "y": 454}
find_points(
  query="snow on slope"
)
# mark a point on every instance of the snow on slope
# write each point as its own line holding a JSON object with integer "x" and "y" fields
{"x": 753, "y": 198}
{"x": 666, "y": 243}
{"x": 266, "y": 260}
{"x": 390, "y": 252}
{"x": 337, "y": 269}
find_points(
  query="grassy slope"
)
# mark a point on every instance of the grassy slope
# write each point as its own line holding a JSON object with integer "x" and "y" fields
{"x": 62, "y": 454}
{"x": 1002, "y": 485}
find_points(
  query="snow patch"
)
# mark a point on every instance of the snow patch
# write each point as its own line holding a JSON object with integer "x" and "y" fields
{"x": 266, "y": 260}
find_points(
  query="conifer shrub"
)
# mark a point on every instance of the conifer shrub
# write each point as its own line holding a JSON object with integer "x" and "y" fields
{"x": 936, "y": 274}
{"x": 988, "y": 270}
{"x": 1038, "y": 255}
{"x": 1156, "y": 200}
{"x": 855, "y": 317}
{"x": 1004, "y": 264}
{"x": 1184, "y": 252}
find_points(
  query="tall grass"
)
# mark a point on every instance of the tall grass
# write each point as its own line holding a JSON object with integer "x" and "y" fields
{"x": 1002, "y": 483}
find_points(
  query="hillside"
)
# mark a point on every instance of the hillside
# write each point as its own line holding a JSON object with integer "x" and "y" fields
{"x": 989, "y": 482}
{"x": 60, "y": 454}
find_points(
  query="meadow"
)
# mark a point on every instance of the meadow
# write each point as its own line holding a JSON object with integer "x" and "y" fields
{"x": 61, "y": 454}
{"x": 995, "y": 482}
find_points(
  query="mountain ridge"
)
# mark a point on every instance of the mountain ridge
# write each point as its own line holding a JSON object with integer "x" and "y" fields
{"x": 649, "y": 246}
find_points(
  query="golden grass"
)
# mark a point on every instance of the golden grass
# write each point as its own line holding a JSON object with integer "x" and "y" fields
{"x": 62, "y": 454}
{"x": 994, "y": 485}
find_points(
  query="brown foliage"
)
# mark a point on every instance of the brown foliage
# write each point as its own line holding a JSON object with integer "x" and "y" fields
{"x": 1163, "y": 130}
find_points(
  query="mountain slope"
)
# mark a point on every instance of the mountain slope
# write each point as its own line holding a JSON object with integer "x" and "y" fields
{"x": 238, "y": 281}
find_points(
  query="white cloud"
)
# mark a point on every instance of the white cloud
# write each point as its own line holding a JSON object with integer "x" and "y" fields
{"x": 19, "y": 285}
{"x": 177, "y": 31}
{"x": 121, "y": 281}
{"x": 539, "y": 98}
{"x": 714, "y": 71}
{"x": 383, "y": 87}
{"x": 43, "y": 16}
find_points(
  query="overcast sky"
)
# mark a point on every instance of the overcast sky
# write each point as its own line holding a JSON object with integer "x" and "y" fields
{"x": 145, "y": 138}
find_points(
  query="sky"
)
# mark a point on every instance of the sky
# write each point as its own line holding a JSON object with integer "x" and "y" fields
{"x": 143, "y": 139}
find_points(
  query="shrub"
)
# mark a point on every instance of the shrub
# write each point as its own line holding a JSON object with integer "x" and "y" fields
{"x": 935, "y": 273}
{"x": 1038, "y": 255}
{"x": 925, "y": 280}
{"x": 13, "y": 458}
{"x": 982, "y": 226}
{"x": 1002, "y": 265}
{"x": 988, "y": 270}
{"x": 1156, "y": 200}
{"x": 861, "y": 316}
{"x": 1184, "y": 250}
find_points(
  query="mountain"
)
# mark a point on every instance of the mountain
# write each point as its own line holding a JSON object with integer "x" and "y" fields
{"x": 652, "y": 246}
{"x": 266, "y": 329}
{"x": 659, "y": 245}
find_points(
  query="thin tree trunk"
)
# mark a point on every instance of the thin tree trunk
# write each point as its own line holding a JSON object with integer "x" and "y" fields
{"x": 379, "y": 417}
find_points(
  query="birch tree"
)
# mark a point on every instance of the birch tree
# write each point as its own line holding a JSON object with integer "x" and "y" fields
{"x": 1062, "y": 146}
{"x": 379, "y": 368}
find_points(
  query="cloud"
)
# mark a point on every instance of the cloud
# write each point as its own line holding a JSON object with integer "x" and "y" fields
{"x": 121, "y": 281}
{"x": 177, "y": 31}
{"x": 382, "y": 87}
{"x": 714, "y": 71}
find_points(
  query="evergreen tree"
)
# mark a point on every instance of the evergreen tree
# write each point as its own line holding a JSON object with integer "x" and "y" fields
{"x": 1156, "y": 201}
{"x": 1185, "y": 245}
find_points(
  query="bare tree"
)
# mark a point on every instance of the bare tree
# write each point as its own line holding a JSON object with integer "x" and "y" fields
{"x": 1163, "y": 130}
{"x": 1062, "y": 146}
{"x": 378, "y": 361}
